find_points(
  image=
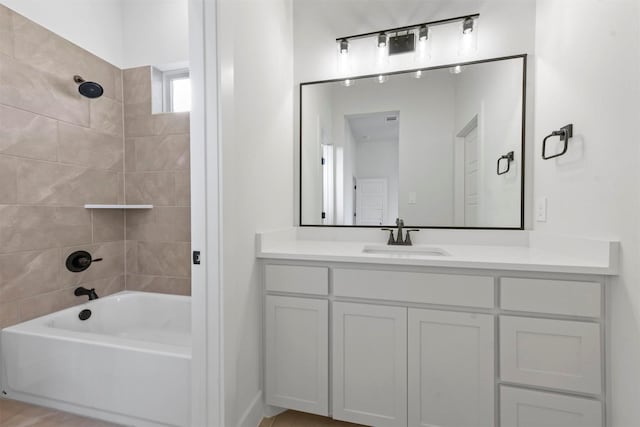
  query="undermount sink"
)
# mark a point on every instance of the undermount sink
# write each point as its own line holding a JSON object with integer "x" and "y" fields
{"x": 417, "y": 250}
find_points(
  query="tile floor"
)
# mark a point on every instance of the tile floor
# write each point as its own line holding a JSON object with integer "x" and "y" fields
{"x": 300, "y": 419}
{"x": 18, "y": 414}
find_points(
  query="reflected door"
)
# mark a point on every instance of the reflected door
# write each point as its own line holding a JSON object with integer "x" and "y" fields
{"x": 327, "y": 185}
{"x": 371, "y": 197}
{"x": 471, "y": 177}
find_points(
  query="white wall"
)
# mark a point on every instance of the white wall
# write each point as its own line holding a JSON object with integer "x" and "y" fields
{"x": 95, "y": 25}
{"x": 591, "y": 79}
{"x": 505, "y": 27}
{"x": 155, "y": 32}
{"x": 257, "y": 172}
{"x": 126, "y": 33}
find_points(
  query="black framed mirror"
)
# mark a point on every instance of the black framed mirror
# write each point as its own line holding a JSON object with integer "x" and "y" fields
{"x": 421, "y": 145}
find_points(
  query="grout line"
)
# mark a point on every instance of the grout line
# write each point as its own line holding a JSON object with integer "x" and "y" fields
{"x": 61, "y": 289}
{"x": 161, "y": 276}
{"x": 15, "y": 107}
{"x": 61, "y": 163}
{"x": 88, "y": 167}
{"x": 124, "y": 186}
{"x": 57, "y": 141}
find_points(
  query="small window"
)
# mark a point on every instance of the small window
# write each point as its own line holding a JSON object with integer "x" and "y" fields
{"x": 177, "y": 91}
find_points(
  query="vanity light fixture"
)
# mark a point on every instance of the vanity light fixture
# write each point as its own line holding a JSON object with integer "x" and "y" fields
{"x": 382, "y": 40}
{"x": 403, "y": 39}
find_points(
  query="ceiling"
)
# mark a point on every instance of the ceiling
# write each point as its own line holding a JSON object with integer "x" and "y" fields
{"x": 375, "y": 127}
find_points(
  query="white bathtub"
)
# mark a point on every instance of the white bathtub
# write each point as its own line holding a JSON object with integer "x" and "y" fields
{"x": 128, "y": 363}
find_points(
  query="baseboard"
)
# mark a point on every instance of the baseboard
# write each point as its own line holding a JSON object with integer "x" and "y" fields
{"x": 253, "y": 415}
{"x": 272, "y": 411}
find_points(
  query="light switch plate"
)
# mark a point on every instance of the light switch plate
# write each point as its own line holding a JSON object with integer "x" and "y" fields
{"x": 413, "y": 198}
{"x": 541, "y": 209}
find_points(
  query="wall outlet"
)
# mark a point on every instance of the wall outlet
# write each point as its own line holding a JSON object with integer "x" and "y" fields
{"x": 541, "y": 209}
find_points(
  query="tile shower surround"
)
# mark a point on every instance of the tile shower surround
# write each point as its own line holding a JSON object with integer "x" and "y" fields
{"x": 156, "y": 172}
{"x": 58, "y": 151}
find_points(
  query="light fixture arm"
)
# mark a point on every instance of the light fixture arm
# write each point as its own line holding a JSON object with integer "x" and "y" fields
{"x": 410, "y": 27}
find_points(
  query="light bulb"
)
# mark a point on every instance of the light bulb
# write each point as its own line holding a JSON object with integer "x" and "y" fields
{"x": 418, "y": 74}
{"x": 382, "y": 54}
{"x": 382, "y": 40}
{"x": 423, "y": 34}
{"x": 467, "y": 26}
{"x": 382, "y": 78}
{"x": 342, "y": 60}
{"x": 347, "y": 83}
{"x": 344, "y": 46}
{"x": 455, "y": 70}
{"x": 468, "y": 42}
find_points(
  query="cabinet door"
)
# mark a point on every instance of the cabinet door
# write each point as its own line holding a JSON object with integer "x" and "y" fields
{"x": 297, "y": 353}
{"x": 370, "y": 364}
{"x": 451, "y": 369}
{"x": 528, "y": 408}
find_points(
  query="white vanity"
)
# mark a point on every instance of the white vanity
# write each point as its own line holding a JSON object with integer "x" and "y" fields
{"x": 507, "y": 330}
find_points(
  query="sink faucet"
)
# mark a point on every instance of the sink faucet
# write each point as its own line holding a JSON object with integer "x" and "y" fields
{"x": 400, "y": 225}
{"x": 399, "y": 240}
{"x": 91, "y": 293}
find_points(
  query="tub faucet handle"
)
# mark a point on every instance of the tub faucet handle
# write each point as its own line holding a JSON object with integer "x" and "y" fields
{"x": 79, "y": 261}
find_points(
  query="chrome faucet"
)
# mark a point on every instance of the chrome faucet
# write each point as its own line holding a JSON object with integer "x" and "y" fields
{"x": 399, "y": 240}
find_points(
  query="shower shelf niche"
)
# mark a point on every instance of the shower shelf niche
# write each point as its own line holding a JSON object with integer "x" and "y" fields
{"x": 118, "y": 206}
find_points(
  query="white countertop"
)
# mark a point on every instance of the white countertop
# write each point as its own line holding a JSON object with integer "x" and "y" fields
{"x": 526, "y": 251}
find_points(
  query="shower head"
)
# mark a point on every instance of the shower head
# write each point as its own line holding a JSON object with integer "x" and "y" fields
{"x": 88, "y": 89}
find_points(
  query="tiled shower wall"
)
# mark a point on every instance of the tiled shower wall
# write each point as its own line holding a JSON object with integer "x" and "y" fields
{"x": 156, "y": 172}
{"x": 59, "y": 151}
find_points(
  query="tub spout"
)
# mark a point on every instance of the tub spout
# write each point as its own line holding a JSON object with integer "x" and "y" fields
{"x": 91, "y": 293}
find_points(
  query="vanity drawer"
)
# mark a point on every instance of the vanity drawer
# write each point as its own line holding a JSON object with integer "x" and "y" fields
{"x": 551, "y": 296}
{"x": 528, "y": 408}
{"x": 428, "y": 288}
{"x": 558, "y": 354}
{"x": 297, "y": 279}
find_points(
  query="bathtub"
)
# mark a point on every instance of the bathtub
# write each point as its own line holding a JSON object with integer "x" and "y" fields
{"x": 128, "y": 363}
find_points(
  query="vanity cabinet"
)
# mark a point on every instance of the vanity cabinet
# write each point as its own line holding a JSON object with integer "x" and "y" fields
{"x": 297, "y": 351}
{"x": 451, "y": 369}
{"x": 370, "y": 364}
{"x": 397, "y": 346}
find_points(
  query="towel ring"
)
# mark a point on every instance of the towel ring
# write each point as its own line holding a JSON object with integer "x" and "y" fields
{"x": 509, "y": 157}
{"x": 564, "y": 133}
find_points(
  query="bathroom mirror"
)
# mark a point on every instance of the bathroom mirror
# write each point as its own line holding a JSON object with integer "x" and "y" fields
{"x": 440, "y": 147}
